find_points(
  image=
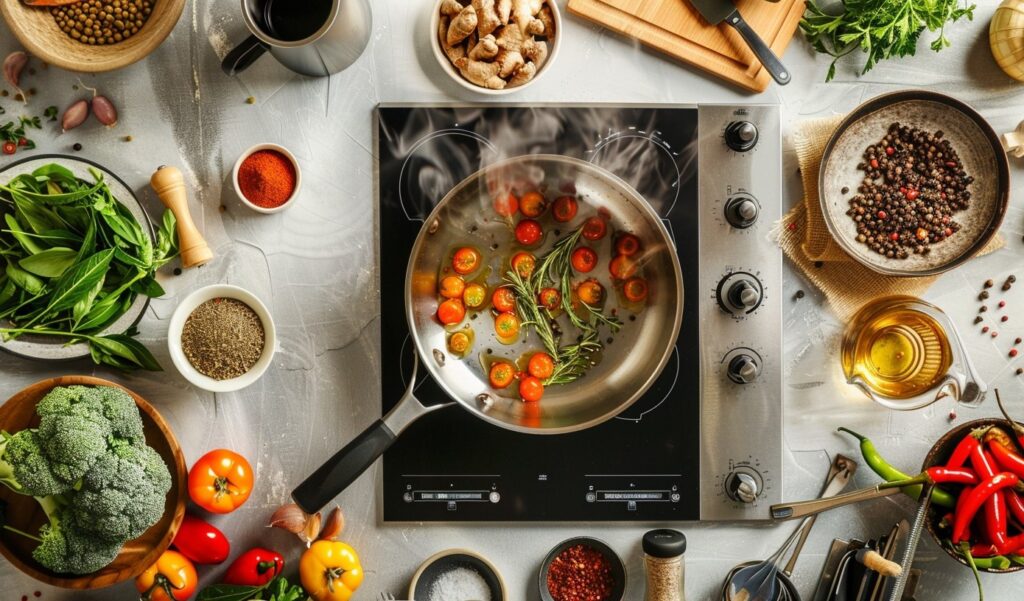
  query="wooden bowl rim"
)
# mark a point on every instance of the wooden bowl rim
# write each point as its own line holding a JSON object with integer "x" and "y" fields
{"x": 79, "y": 582}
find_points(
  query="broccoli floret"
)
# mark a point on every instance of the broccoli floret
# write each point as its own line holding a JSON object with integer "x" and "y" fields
{"x": 66, "y": 548}
{"x": 24, "y": 468}
{"x": 114, "y": 405}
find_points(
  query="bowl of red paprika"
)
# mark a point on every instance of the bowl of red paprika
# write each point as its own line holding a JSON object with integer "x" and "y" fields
{"x": 602, "y": 575}
{"x": 989, "y": 511}
{"x": 267, "y": 178}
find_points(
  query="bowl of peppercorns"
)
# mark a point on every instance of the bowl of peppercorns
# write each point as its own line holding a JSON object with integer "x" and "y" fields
{"x": 913, "y": 183}
{"x": 582, "y": 568}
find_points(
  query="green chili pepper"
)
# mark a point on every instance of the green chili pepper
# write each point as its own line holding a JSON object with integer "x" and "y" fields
{"x": 965, "y": 550}
{"x": 890, "y": 473}
{"x": 999, "y": 562}
{"x": 1017, "y": 559}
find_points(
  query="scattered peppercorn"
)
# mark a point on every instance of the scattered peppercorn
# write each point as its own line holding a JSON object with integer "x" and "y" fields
{"x": 1017, "y": 340}
{"x": 845, "y": 189}
{"x": 989, "y": 283}
{"x": 984, "y": 330}
{"x": 128, "y": 138}
{"x": 983, "y": 295}
{"x": 983, "y": 309}
{"x": 1020, "y": 370}
{"x": 250, "y": 100}
{"x": 77, "y": 146}
{"x": 1011, "y": 278}
{"x": 177, "y": 271}
{"x": 799, "y": 294}
{"x": 1004, "y": 318}
{"x": 978, "y": 319}
{"x": 818, "y": 264}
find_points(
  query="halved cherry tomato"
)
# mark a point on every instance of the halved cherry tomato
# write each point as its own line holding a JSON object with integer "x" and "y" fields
{"x": 506, "y": 206}
{"x": 635, "y": 289}
{"x": 550, "y": 298}
{"x": 506, "y": 325}
{"x": 523, "y": 263}
{"x": 590, "y": 292}
{"x": 564, "y": 209}
{"x": 541, "y": 365}
{"x": 452, "y": 286}
{"x": 459, "y": 343}
{"x": 584, "y": 259}
{"x": 528, "y": 232}
{"x": 171, "y": 578}
{"x": 533, "y": 204}
{"x": 594, "y": 228}
{"x": 201, "y": 541}
{"x": 622, "y": 267}
{"x": 502, "y": 374}
{"x": 504, "y": 299}
{"x": 220, "y": 481}
{"x": 627, "y": 244}
{"x": 531, "y": 389}
{"x": 10, "y": 148}
{"x": 466, "y": 260}
{"x": 474, "y": 296}
{"x": 451, "y": 311}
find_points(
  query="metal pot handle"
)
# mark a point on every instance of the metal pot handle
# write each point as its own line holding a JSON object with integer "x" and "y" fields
{"x": 334, "y": 476}
{"x": 243, "y": 55}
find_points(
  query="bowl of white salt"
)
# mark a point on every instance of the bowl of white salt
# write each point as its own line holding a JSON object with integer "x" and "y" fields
{"x": 457, "y": 574}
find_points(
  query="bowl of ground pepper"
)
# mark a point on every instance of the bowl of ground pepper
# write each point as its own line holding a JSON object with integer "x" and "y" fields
{"x": 267, "y": 178}
{"x": 221, "y": 338}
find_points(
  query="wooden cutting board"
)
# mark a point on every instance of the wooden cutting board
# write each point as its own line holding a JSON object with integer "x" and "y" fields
{"x": 676, "y": 28}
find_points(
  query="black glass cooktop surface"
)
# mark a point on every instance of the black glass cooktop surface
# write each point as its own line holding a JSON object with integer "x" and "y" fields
{"x": 452, "y": 466}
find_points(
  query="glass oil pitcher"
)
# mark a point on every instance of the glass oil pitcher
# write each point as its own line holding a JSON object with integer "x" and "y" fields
{"x": 905, "y": 353}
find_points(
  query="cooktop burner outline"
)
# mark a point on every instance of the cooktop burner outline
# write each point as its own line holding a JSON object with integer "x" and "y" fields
{"x": 675, "y": 378}
{"x": 422, "y": 141}
{"x": 655, "y": 139}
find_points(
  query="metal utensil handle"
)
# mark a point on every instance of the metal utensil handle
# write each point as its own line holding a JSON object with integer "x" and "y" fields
{"x": 764, "y": 54}
{"x": 790, "y": 511}
{"x": 912, "y": 539}
{"x": 243, "y": 55}
{"x": 838, "y": 478}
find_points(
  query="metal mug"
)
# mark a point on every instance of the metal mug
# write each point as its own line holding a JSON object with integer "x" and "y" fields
{"x": 336, "y": 43}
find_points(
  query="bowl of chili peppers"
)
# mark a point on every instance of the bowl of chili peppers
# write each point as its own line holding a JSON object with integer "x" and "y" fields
{"x": 981, "y": 465}
{"x": 267, "y": 178}
{"x": 582, "y": 568}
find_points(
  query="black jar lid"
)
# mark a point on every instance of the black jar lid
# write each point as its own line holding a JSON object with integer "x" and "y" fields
{"x": 664, "y": 543}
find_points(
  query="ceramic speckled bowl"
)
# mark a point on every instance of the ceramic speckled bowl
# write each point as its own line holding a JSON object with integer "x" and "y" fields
{"x": 431, "y": 570}
{"x": 973, "y": 139}
{"x": 49, "y": 348}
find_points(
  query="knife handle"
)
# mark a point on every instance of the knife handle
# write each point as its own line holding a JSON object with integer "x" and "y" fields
{"x": 771, "y": 62}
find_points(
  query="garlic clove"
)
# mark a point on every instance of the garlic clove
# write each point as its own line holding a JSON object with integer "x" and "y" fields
{"x": 334, "y": 525}
{"x": 104, "y": 110}
{"x": 13, "y": 65}
{"x": 312, "y": 529}
{"x": 74, "y": 115}
{"x": 289, "y": 517}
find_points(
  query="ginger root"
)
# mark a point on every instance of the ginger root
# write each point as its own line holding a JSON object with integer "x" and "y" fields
{"x": 485, "y": 49}
{"x": 461, "y": 26}
{"x": 483, "y": 74}
{"x": 524, "y": 74}
{"x": 455, "y": 52}
{"x": 486, "y": 16}
{"x": 504, "y": 8}
{"x": 547, "y": 18}
{"x": 536, "y": 52}
{"x": 510, "y": 61}
{"x": 523, "y": 12}
{"x": 450, "y": 8}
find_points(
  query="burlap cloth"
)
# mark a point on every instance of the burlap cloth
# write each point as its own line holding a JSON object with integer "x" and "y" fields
{"x": 804, "y": 237}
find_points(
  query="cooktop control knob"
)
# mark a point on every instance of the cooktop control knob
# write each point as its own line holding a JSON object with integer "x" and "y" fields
{"x": 741, "y": 211}
{"x": 741, "y": 136}
{"x": 743, "y": 369}
{"x": 742, "y": 487}
{"x": 739, "y": 293}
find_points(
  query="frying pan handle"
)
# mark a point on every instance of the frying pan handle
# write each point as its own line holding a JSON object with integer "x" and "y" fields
{"x": 764, "y": 54}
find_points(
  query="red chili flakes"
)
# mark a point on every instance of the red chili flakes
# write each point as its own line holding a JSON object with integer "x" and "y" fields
{"x": 580, "y": 573}
{"x": 1013, "y": 352}
{"x": 791, "y": 226}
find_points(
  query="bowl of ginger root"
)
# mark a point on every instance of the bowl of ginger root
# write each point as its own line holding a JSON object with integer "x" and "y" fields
{"x": 495, "y": 46}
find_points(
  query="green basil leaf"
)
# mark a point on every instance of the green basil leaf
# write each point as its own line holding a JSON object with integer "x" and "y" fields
{"x": 88, "y": 246}
{"x": 38, "y": 217}
{"x": 24, "y": 280}
{"x": 55, "y": 171}
{"x": 120, "y": 227}
{"x": 82, "y": 307}
{"x": 23, "y": 239}
{"x": 61, "y": 199}
{"x": 128, "y": 349}
{"x": 128, "y": 259}
{"x": 60, "y": 237}
{"x": 7, "y": 292}
{"x": 79, "y": 280}
{"x": 148, "y": 286}
{"x": 101, "y": 315}
{"x": 228, "y": 592}
{"x": 51, "y": 263}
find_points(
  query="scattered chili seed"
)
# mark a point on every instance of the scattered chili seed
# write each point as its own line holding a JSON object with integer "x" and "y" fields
{"x": 1013, "y": 352}
{"x": 952, "y": 414}
{"x": 984, "y": 330}
{"x": 1004, "y": 318}
{"x": 791, "y": 226}
{"x": 1002, "y": 304}
{"x": 994, "y": 333}
{"x": 1017, "y": 340}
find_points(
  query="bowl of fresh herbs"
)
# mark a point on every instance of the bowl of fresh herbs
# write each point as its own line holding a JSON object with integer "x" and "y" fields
{"x": 78, "y": 262}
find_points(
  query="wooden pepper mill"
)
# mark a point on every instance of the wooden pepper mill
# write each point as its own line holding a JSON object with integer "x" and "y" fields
{"x": 169, "y": 186}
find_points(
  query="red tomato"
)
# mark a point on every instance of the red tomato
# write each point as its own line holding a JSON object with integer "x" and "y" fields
{"x": 590, "y": 292}
{"x": 523, "y": 263}
{"x": 565, "y": 209}
{"x": 507, "y": 206}
{"x": 627, "y": 244}
{"x": 541, "y": 366}
{"x": 528, "y": 232}
{"x": 466, "y": 260}
{"x": 451, "y": 311}
{"x": 474, "y": 296}
{"x": 533, "y": 204}
{"x": 594, "y": 228}
{"x": 584, "y": 259}
{"x": 622, "y": 267}
{"x": 531, "y": 389}
{"x": 504, "y": 299}
{"x": 551, "y": 298}
{"x": 220, "y": 481}
{"x": 635, "y": 289}
{"x": 506, "y": 325}
{"x": 502, "y": 374}
{"x": 452, "y": 286}
{"x": 200, "y": 541}
{"x": 10, "y": 148}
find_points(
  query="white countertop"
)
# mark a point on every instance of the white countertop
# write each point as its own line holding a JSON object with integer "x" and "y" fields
{"x": 313, "y": 266}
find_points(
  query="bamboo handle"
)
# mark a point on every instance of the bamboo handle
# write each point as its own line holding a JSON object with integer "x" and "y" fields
{"x": 169, "y": 186}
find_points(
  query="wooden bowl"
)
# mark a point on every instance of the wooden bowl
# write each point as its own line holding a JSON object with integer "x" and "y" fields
{"x": 18, "y": 413}
{"x": 939, "y": 455}
{"x": 38, "y": 32}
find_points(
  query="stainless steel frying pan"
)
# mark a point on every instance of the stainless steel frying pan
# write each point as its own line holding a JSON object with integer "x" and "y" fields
{"x": 465, "y": 216}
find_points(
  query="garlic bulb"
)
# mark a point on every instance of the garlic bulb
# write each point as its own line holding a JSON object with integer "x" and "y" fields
{"x": 1006, "y": 37}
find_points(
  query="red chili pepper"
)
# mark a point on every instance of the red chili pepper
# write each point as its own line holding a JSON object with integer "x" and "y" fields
{"x": 962, "y": 451}
{"x": 984, "y": 550}
{"x": 1016, "y": 505}
{"x": 995, "y": 518}
{"x": 201, "y": 542}
{"x": 1011, "y": 546}
{"x": 255, "y": 567}
{"x": 982, "y": 463}
{"x": 978, "y": 497}
{"x": 1007, "y": 459}
{"x": 961, "y": 475}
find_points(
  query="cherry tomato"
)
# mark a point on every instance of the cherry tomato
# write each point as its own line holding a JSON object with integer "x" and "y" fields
{"x": 564, "y": 209}
{"x": 459, "y": 343}
{"x": 504, "y": 299}
{"x": 506, "y": 325}
{"x": 506, "y": 206}
{"x": 171, "y": 578}
{"x": 502, "y": 374}
{"x": 635, "y": 289}
{"x": 24, "y": 142}
{"x": 523, "y": 263}
{"x": 590, "y": 292}
{"x": 622, "y": 267}
{"x": 528, "y": 232}
{"x": 466, "y": 260}
{"x": 533, "y": 204}
{"x": 541, "y": 365}
{"x": 531, "y": 389}
{"x": 10, "y": 148}
{"x": 474, "y": 296}
{"x": 551, "y": 298}
{"x": 627, "y": 244}
{"x": 594, "y": 228}
{"x": 451, "y": 311}
{"x": 200, "y": 541}
{"x": 452, "y": 286}
{"x": 220, "y": 481}
{"x": 584, "y": 259}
